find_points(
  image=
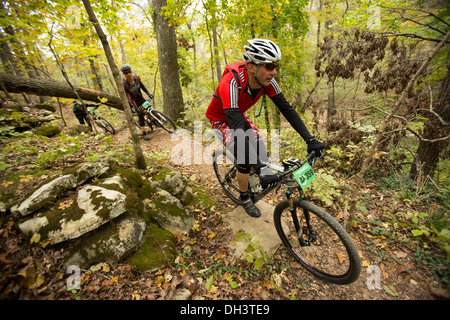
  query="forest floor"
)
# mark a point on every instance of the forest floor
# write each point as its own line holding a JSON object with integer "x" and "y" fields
{"x": 206, "y": 268}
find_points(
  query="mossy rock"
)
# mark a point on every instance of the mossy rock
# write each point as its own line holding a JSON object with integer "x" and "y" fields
{"x": 112, "y": 242}
{"x": 20, "y": 120}
{"x": 47, "y": 193}
{"x": 158, "y": 249}
{"x": 47, "y": 131}
{"x": 14, "y": 107}
{"x": 78, "y": 129}
{"x": 88, "y": 209}
{"x": 12, "y": 118}
{"x": 44, "y": 106}
{"x": 133, "y": 182}
{"x": 170, "y": 213}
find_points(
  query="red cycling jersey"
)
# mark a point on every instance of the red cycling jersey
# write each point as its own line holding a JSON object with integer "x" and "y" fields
{"x": 233, "y": 92}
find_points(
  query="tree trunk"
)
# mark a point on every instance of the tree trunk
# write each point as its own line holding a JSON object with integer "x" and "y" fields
{"x": 216, "y": 54}
{"x": 96, "y": 79}
{"x": 140, "y": 160}
{"x": 331, "y": 108}
{"x": 10, "y": 61}
{"x": 428, "y": 152}
{"x": 53, "y": 88}
{"x": 168, "y": 63}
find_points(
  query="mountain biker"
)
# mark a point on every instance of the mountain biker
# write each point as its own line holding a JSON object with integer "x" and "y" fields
{"x": 133, "y": 86}
{"x": 241, "y": 86}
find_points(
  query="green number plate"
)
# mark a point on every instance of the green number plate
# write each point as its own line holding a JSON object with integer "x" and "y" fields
{"x": 146, "y": 104}
{"x": 304, "y": 175}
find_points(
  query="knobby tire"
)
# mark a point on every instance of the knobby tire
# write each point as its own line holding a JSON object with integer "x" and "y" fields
{"x": 333, "y": 257}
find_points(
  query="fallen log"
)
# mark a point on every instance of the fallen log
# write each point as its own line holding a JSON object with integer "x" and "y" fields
{"x": 53, "y": 88}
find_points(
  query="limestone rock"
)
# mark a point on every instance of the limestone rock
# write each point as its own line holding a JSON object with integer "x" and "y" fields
{"x": 175, "y": 184}
{"x": 94, "y": 206}
{"x": 111, "y": 218}
{"x": 170, "y": 213}
{"x": 262, "y": 227}
{"x": 112, "y": 242}
{"x": 50, "y": 192}
{"x": 46, "y": 193}
{"x": 113, "y": 181}
{"x": 158, "y": 249}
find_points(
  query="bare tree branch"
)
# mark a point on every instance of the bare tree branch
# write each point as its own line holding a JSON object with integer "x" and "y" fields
{"x": 412, "y": 35}
{"x": 419, "y": 10}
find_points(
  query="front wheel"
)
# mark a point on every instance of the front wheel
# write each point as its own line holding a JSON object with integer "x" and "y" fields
{"x": 316, "y": 240}
{"x": 163, "y": 121}
{"x": 105, "y": 125}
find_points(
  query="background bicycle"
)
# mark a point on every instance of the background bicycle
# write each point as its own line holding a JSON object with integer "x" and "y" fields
{"x": 156, "y": 118}
{"x": 309, "y": 233}
{"x": 100, "y": 121}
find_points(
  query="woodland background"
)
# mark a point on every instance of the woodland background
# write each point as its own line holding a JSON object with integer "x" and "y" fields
{"x": 367, "y": 77}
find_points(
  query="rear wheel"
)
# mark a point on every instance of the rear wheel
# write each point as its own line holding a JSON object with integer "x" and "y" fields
{"x": 316, "y": 240}
{"x": 226, "y": 170}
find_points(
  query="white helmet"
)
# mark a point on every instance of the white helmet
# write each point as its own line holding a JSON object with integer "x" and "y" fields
{"x": 262, "y": 51}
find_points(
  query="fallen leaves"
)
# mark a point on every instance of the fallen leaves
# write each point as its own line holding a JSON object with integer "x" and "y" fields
{"x": 211, "y": 235}
{"x": 35, "y": 238}
{"x": 400, "y": 254}
{"x": 341, "y": 257}
{"x": 65, "y": 204}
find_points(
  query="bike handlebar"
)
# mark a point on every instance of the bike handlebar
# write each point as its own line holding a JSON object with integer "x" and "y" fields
{"x": 311, "y": 156}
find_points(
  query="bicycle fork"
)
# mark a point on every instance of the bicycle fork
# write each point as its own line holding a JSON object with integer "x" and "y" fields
{"x": 300, "y": 231}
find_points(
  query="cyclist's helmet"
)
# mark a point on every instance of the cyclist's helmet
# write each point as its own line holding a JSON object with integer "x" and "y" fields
{"x": 125, "y": 67}
{"x": 262, "y": 51}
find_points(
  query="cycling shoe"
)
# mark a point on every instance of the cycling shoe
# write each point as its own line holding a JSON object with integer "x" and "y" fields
{"x": 250, "y": 208}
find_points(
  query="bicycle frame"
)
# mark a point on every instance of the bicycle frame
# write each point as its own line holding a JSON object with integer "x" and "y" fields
{"x": 287, "y": 170}
{"x": 298, "y": 229}
{"x": 148, "y": 107}
{"x": 284, "y": 172}
{"x": 93, "y": 114}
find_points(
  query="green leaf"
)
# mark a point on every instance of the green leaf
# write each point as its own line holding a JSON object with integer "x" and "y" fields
{"x": 444, "y": 235}
{"x": 209, "y": 282}
{"x": 417, "y": 232}
{"x": 4, "y": 165}
{"x": 390, "y": 290}
{"x": 258, "y": 263}
{"x": 232, "y": 283}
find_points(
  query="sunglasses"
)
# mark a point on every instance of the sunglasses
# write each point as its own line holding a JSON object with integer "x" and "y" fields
{"x": 272, "y": 66}
{"x": 127, "y": 72}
